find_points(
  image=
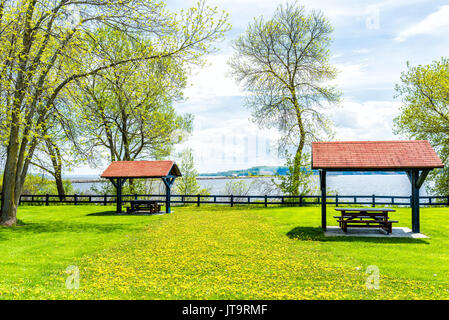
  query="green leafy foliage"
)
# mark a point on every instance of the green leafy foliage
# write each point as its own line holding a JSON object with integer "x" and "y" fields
{"x": 127, "y": 111}
{"x": 47, "y": 47}
{"x": 36, "y": 184}
{"x": 424, "y": 114}
{"x": 304, "y": 185}
{"x": 187, "y": 183}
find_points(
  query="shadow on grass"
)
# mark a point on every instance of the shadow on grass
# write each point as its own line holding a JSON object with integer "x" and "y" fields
{"x": 317, "y": 234}
{"x": 102, "y": 214}
{"x": 60, "y": 226}
{"x": 123, "y": 214}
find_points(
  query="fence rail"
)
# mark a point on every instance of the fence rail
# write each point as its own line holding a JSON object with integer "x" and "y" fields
{"x": 266, "y": 200}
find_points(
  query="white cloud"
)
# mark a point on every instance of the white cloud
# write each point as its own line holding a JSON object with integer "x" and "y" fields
{"x": 361, "y": 50}
{"x": 435, "y": 23}
{"x": 231, "y": 144}
{"x": 370, "y": 120}
{"x": 212, "y": 80}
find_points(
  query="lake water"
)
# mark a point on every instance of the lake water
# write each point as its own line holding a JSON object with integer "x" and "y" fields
{"x": 357, "y": 184}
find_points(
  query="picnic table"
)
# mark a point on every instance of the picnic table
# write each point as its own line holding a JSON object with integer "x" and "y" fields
{"x": 144, "y": 205}
{"x": 365, "y": 218}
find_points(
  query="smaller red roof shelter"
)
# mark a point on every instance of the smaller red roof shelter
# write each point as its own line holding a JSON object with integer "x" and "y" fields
{"x": 119, "y": 171}
{"x": 417, "y": 158}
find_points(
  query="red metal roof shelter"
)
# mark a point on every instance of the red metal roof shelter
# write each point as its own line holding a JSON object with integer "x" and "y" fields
{"x": 119, "y": 171}
{"x": 416, "y": 158}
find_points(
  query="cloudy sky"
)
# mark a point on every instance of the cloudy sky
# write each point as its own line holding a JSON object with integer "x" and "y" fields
{"x": 372, "y": 42}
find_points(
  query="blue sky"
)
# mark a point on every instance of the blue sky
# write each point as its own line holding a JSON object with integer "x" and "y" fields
{"x": 372, "y": 42}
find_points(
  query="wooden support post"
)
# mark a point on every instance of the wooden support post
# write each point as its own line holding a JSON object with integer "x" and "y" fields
{"x": 105, "y": 200}
{"x": 118, "y": 184}
{"x": 119, "y": 195}
{"x": 336, "y": 200}
{"x": 199, "y": 200}
{"x": 266, "y": 201}
{"x": 374, "y": 201}
{"x": 323, "y": 198}
{"x": 75, "y": 198}
{"x": 46, "y": 199}
{"x": 168, "y": 199}
{"x": 415, "y": 201}
{"x": 232, "y": 200}
{"x": 168, "y": 181}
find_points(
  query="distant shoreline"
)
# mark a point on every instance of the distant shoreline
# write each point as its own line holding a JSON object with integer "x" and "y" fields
{"x": 245, "y": 177}
{"x": 198, "y": 178}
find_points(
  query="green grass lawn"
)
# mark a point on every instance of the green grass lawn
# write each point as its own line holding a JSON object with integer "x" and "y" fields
{"x": 215, "y": 252}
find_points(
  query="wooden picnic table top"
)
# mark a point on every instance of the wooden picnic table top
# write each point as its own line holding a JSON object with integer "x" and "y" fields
{"x": 142, "y": 201}
{"x": 366, "y": 209}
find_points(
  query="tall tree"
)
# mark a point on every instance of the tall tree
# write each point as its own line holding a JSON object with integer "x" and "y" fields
{"x": 187, "y": 183}
{"x": 56, "y": 153}
{"x": 47, "y": 45}
{"x": 424, "y": 114}
{"x": 283, "y": 63}
{"x": 127, "y": 110}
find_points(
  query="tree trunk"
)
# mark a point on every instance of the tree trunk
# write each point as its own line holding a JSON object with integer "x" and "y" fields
{"x": 56, "y": 160}
{"x": 10, "y": 174}
{"x": 297, "y": 166}
{"x": 12, "y": 177}
{"x": 9, "y": 205}
{"x": 60, "y": 187}
{"x": 299, "y": 150}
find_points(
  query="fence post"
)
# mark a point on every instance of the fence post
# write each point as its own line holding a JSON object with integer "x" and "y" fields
{"x": 355, "y": 200}
{"x": 448, "y": 200}
{"x": 266, "y": 201}
{"x": 46, "y": 199}
{"x": 374, "y": 201}
{"x": 76, "y": 198}
{"x": 232, "y": 200}
{"x": 430, "y": 201}
{"x": 105, "y": 201}
{"x": 336, "y": 200}
{"x": 300, "y": 200}
{"x": 199, "y": 200}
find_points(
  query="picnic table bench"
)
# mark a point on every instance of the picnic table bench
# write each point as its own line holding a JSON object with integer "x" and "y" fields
{"x": 365, "y": 218}
{"x": 144, "y": 205}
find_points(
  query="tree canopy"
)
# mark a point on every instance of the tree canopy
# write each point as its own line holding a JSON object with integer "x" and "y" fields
{"x": 424, "y": 114}
{"x": 48, "y": 45}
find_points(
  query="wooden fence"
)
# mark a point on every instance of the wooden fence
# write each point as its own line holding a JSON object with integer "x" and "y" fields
{"x": 266, "y": 200}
